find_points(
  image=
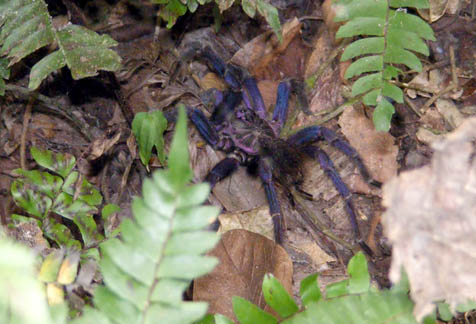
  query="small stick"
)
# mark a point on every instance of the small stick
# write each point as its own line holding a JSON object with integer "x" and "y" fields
{"x": 451, "y": 87}
{"x": 26, "y": 122}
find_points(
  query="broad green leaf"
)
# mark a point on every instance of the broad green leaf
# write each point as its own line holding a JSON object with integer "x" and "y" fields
{"x": 192, "y": 266}
{"x": 86, "y": 52}
{"x": 277, "y": 297}
{"x": 444, "y": 311}
{"x": 172, "y": 11}
{"x": 109, "y": 209}
{"x": 367, "y": 83}
{"x": 359, "y": 280}
{"x": 363, "y": 65}
{"x": 32, "y": 201}
{"x": 361, "y": 8}
{"x": 179, "y": 167}
{"x": 248, "y": 313}
{"x": 182, "y": 313}
{"x": 51, "y": 265}
{"x": 382, "y": 115}
{"x": 309, "y": 290}
{"x": 398, "y": 55}
{"x": 116, "y": 309}
{"x": 390, "y": 72}
{"x": 466, "y": 306}
{"x": 192, "y": 5}
{"x": 44, "y": 182}
{"x": 371, "y": 45}
{"x": 91, "y": 315}
{"x": 60, "y": 234}
{"x": 59, "y": 163}
{"x": 337, "y": 289}
{"x": 249, "y": 7}
{"x": 148, "y": 129}
{"x": 45, "y": 67}
{"x": 270, "y": 13}
{"x": 406, "y": 39}
{"x": 88, "y": 228}
{"x": 66, "y": 206}
{"x": 400, "y": 19}
{"x": 392, "y": 91}
{"x": 370, "y": 98}
{"x": 123, "y": 285}
{"x": 369, "y": 308}
{"x": 369, "y": 26}
{"x": 420, "y": 4}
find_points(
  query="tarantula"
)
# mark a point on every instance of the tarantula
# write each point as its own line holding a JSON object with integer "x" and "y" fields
{"x": 251, "y": 139}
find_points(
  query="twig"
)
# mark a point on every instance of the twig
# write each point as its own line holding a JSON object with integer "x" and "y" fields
{"x": 411, "y": 105}
{"x": 26, "y": 122}
{"x": 451, "y": 87}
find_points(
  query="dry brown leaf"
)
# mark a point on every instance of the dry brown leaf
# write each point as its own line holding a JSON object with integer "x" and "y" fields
{"x": 436, "y": 10}
{"x": 264, "y": 49}
{"x": 245, "y": 257}
{"x": 431, "y": 222}
{"x": 377, "y": 149}
{"x": 257, "y": 220}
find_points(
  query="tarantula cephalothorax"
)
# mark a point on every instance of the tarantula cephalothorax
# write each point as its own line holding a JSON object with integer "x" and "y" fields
{"x": 252, "y": 139}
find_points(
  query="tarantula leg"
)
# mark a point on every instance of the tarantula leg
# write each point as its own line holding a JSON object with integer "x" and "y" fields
{"x": 266, "y": 175}
{"x": 317, "y": 133}
{"x": 226, "y": 107}
{"x": 252, "y": 97}
{"x": 223, "y": 169}
{"x": 328, "y": 167}
{"x": 280, "y": 112}
{"x": 205, "y": 128}
{"x": 230, "y": 73}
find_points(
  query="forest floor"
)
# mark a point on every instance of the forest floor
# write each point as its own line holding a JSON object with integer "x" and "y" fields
{"x": 91, "y": 119}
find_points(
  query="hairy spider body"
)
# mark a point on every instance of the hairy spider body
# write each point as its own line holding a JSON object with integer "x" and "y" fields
{"x": 253, "y": 139}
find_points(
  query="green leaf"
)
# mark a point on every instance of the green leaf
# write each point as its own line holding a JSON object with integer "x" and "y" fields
{"x": 363, "y": 65}
{"x": 179, "y": 167}
{"x": 392, "y": 91}
{"x": 367, "y": 83}
{"x": 420, "y": 4}
{"x": 270, "y": 13}
{"x": 51, "y": 265}
{"x": 109, "y": 210}
{"x": 249, "y": 7}
{"x": 383, "y": 115}
{"x": 86, "y": 52}
{"x": 309, "y": 290}
{"x": 369, "y": 26}
{"x": 45, "y": 67}
{"x": 32, "y": 201}
{"x": 359, "y": 280}
{"x": 444, "y": 311}
{"x": 371, "y": 45}
{"x": 369, "y": 308}
{"x": 19, "y": 286}
{"x": 277, "y": 297}
{"x": 466, "y": 306}
{"x": 248, "y": 313}
{"x": 337, "y": 289}
{"x": 148, "y": 128}
{"x": 59, "y": 163}
{"x": 402, "y": 20}
{"x": 399, "y": 55}
{"x": 361, "y": 8}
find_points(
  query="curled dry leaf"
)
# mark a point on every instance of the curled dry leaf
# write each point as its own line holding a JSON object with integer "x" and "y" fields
{"x": 430, "y": 221}
{"x": 436, "y": 10}
{"x": 377, "y": 149}
{"x": 245, "y": 257}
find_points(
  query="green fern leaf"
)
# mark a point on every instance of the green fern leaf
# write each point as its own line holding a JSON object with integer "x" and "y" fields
{"x": 391, "y": 37}
{"x": 160, "y": 250}
{"x": 27, "y": 27}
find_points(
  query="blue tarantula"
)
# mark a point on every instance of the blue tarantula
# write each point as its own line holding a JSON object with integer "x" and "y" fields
{"x": 251, "y": 139}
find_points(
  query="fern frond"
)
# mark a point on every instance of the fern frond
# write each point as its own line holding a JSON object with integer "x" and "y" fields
{"x": 27, "y": 26}
{"x": 392, "y": 37}
{"x": 160, "y": 250}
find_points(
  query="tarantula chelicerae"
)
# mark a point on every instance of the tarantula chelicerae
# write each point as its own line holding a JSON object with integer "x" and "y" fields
{"x": 252, "y": 139}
